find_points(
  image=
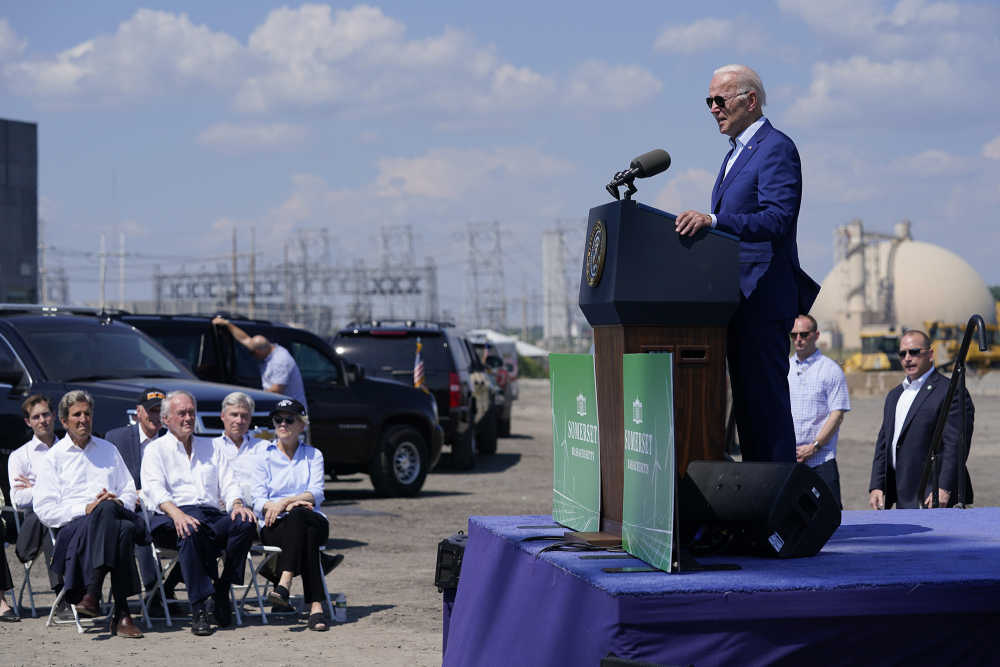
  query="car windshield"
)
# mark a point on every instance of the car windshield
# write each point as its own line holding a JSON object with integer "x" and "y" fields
{"x": 99, "y": 353}
{"x": 393, "y": 356}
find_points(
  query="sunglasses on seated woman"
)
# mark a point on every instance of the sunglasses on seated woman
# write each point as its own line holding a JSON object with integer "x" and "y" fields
{"x": 278, "y": 421}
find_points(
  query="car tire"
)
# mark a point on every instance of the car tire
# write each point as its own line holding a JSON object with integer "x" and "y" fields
{"x": 503, "y": 427}
{"x": 463, "y": 451}
{"x": 487, "y": 444}
{"x": 400, "y": 464}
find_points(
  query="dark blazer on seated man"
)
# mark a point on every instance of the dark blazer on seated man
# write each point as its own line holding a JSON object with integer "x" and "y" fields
{"x": 130, "y": 439}
{"x": 894, "y": 481}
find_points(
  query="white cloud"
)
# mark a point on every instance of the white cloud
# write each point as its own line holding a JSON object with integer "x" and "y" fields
{"x": 10, "y": 44}
{"x": 882, "y": 94}
{"x": 706, "y": 34}
{"x": 600, "y": 85}
{"x": 688, "y": 190}
{"x": 240, "y": 138}
{"x": 518, "y": 185}
{"x": 355, "y": 61}
{"x": 992, "y": 149}
{"x": 153, "y": 54}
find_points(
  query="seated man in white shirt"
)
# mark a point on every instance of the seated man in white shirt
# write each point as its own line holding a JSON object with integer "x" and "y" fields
{"x": 22, "y": 471}
{"x": 85, "y": 490}
{"x": 187, "y": 479}
{"x": 239, "y": 448}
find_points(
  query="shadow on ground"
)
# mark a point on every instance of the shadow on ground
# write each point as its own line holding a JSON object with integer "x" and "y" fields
{"x": 484, "y": 464}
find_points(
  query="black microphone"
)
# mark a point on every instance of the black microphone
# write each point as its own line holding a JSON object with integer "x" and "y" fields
{"x": 648, "y": 164}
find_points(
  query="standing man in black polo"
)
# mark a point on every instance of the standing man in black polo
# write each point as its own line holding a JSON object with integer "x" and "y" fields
{"x": 756, "y": 198}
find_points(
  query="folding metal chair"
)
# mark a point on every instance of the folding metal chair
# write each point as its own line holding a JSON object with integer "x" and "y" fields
{"x": 52, "y": 620}
{"x": 269, "y": 554}
{"x": 172, "y": 556}
{"x": 27, "y": 573}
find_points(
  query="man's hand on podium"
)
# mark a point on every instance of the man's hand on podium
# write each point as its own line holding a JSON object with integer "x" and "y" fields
{"x": 690, "y": 222}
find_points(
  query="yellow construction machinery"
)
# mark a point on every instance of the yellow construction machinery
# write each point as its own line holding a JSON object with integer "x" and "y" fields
{"x": 879, "y": 352}
{"x": 946, "y": 338}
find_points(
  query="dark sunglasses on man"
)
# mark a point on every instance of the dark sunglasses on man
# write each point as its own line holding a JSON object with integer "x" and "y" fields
{"x": 720, "y": 101}
{"x": 801, "y": 334}
{"x": 913, "y": 352}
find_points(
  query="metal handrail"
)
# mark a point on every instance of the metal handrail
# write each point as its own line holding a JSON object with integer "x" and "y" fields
{"x": 933, "y": 464}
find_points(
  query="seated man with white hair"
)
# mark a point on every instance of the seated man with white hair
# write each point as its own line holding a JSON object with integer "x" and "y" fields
{"x": 235, "y": 443}
{"x": 186, "y": 479}
{"x": 84, "y": 490}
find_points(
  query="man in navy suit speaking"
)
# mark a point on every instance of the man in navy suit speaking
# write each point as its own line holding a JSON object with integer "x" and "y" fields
{"x": 756, "y": 198}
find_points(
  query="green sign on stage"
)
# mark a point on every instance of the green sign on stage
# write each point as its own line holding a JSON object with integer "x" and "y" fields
{"x": 576, "y": 483}
{"x": 648, "y": 503}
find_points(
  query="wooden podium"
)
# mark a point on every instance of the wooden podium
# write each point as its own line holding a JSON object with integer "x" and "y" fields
{"x": 645, "y": 288}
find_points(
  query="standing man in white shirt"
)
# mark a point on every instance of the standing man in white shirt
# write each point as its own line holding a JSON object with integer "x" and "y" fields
{"x": 235, "y": 442}
{"x": 279, "y": 374}
{"x": 909, "y": 419}
{"x": 187, "y": 479}
{"x": 22, "y": 470}
{"x": 84, "y": 490}
{"x": 819, "y": 396}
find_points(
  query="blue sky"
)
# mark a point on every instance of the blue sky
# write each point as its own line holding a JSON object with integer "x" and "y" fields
{"x": 214, "y": 115}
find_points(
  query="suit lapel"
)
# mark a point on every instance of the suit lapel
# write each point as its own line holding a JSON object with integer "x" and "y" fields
{"x": 718, "y": 181}
{"x": 925, "y": 391}
{"x": 745, "y": 155}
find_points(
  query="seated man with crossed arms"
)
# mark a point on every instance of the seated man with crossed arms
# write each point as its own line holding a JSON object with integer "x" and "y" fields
{"x": 186, "y": 480}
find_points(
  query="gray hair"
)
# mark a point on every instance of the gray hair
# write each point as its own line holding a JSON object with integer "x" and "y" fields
{"x": 165, "y": 408}
{"x": 746, "y": 80}
{"x": 71, "y": 399}
{"x": 238, "y": 398}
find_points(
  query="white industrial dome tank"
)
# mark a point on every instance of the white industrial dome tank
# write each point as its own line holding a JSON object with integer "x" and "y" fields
{"x": 896, "y": 281}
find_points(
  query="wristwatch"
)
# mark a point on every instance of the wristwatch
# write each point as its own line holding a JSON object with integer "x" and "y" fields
{"x": 815, "y": 443}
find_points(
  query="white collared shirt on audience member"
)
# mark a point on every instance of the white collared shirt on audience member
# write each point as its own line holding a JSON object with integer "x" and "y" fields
{"x": 26, "y": 460}
{"x": 241, "y": 459}
{"x": 168, "y": 475}
{"x": 275, "y": 477}
{"x": 70, "y": 479}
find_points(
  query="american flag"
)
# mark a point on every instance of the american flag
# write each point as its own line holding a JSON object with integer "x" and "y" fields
{"x": 418, "y": 368}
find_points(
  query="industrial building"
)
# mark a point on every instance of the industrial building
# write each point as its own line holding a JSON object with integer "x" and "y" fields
{"x": 18, "y": 212}
{"x": 883, "y": 282}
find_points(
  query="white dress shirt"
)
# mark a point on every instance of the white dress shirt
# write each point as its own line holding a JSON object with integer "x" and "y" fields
{"x": 168, "y": 475}
{"x": 241, "y": 460}
{"x": 276, "y": 477}
{"x": 25, "y": 460}
{"x": 738, "y": 144}
{"x": 70, "y": 479}
{"x": 910, "y": 391}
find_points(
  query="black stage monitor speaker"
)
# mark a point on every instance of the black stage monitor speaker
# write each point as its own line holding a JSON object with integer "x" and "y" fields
{"x": 781, "y": 510}
{"x": 449, "y": 561}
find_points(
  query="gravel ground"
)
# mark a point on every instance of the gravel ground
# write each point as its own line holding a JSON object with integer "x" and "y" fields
{"x": 394, "y": 611}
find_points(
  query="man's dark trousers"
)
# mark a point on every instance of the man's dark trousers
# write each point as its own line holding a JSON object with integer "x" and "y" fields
{"x": 758, "y": 375}
{"x": 34, "y": 535}
{"x": 199, "y": 551}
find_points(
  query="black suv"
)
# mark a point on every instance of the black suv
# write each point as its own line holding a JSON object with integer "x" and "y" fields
{"x": 54, "y": 350}
{"x": 453, "y": 373}
{"x": 368, "y": 425}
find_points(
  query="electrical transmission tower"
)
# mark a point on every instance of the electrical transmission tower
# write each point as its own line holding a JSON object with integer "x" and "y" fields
{"x": 484, "y": 301}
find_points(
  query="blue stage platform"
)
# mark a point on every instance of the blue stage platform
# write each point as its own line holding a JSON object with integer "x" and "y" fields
{"x": 907, "y": 587}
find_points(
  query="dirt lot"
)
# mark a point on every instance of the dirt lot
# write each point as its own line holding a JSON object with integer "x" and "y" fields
{"x": 394, "y": 611}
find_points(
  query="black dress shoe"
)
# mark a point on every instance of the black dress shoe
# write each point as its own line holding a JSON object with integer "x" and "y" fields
{"x": 200, "y": 625}
{"x": 223, "y": 609}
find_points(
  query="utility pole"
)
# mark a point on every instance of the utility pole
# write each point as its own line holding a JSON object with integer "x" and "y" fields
{"x": 235, "y": 288}
{"x": 103, "y": 267}
{"x": 524, "y": 308}
{"x": 253, "y": 276}
{"x": 121, "y": 271}
{"x": 43, "y": 273}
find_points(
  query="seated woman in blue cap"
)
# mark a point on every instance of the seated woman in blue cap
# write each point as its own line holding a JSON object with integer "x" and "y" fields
{"x": 287, "y": 490}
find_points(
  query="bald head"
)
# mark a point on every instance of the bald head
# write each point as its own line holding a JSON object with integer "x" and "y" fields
{"x": 260, "y": 347}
